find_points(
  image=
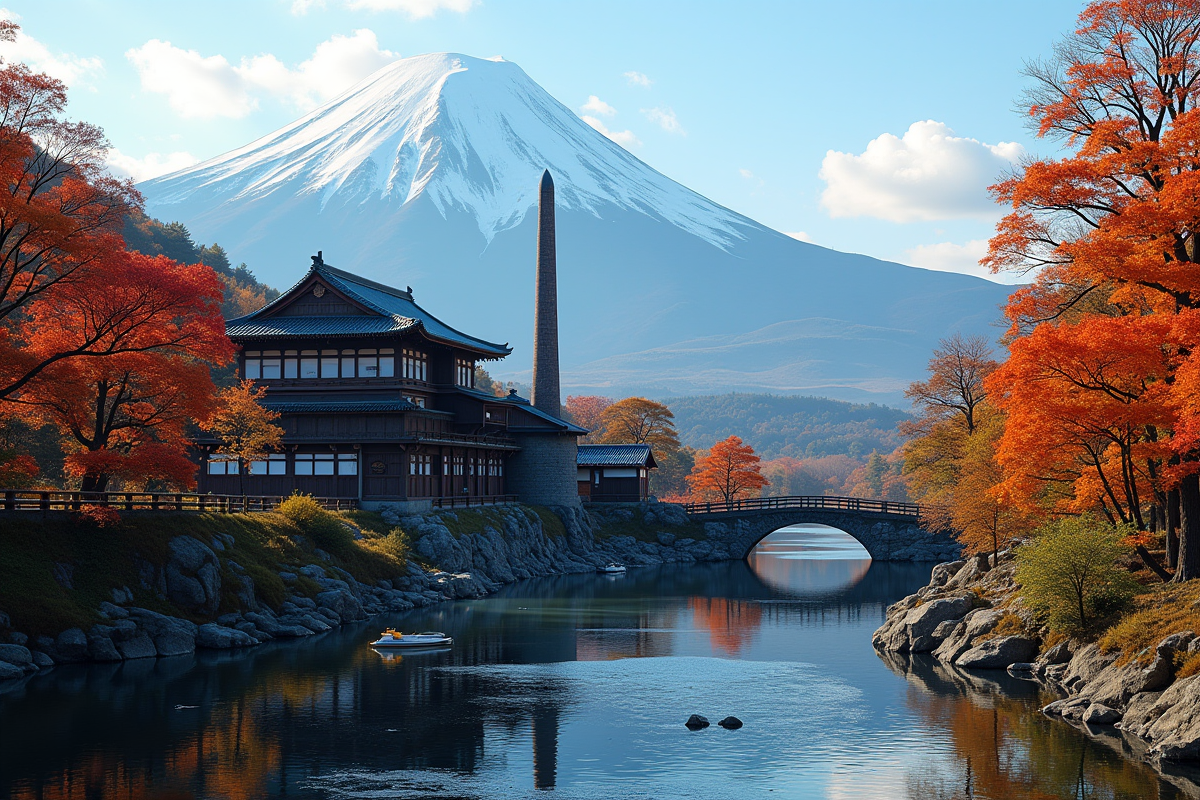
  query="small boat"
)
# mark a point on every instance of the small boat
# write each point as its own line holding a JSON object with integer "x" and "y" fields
{"x": 612, "y": 569}
{"x": 392, "y": 639}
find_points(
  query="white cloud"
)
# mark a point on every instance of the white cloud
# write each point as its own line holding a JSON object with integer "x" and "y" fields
{"x": 928, "y": 174}
{"x": 597, "y": 106}
{"x": 71, "y": 69}
{"x": 745, "y": 173}
{"x": 416, "y": 9}
{"x": 799, "y": 235}
{"x": 624, "y": 138}
{"x": 301, "y": 7}
{"x": 638, "y": 79}
{"x": 204, "y": 87}
{"x": 664, "y": 118}
{"x": 952, "y": 257}
{"x": 151, "y": 166}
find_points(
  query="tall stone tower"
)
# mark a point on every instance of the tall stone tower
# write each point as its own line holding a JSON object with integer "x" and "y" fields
{"x": 546, "y": 393}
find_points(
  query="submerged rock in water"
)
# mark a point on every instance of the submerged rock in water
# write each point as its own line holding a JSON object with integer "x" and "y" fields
{"x": 730, "y": 723}
{"x": 696, "y": 722}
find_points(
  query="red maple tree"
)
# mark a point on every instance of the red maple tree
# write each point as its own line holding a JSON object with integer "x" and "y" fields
{"x": 728, "y": 472}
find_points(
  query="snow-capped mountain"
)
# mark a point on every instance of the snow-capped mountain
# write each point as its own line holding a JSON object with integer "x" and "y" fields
{"x": 425, "y": 173}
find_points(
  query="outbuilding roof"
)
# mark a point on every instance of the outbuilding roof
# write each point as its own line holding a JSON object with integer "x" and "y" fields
{"x": 390, "y": 311}
{"x": 615, "y": 455}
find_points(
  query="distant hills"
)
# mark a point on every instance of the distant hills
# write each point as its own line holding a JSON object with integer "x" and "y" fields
{"x": 425, "y": 173}
{"x": 798, "y": 427}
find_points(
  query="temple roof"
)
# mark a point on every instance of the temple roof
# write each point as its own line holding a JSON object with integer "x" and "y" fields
{"x": 615, "y": 455}
{"x": 513, "y": 400}
{"x": 389, "y": 311}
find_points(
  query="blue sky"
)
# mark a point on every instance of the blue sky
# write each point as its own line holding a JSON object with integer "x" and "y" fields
{"x": 869, "y": 127}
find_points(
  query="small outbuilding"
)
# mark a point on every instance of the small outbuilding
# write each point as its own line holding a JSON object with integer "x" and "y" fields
{"x": 615, "y": 473}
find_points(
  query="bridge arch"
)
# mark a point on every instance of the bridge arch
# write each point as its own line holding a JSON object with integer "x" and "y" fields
{"x": 889, "y": 531}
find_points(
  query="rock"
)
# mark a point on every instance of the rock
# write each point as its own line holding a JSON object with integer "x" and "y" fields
{"x": 16, "y": 654}
{"x": 1022, "y": 668}
{"x": 9, "y": 672}
{"x": 172, "y": 636}
{"x": 942, "y": 573}
{"x": 1157, "y": 675}
{"x": 16, "y": 637}
{"x": 102, "y": 649}
{"x": 138, "y": 646}
{"x": 214, "y": 636}
{"x": 71, "y": 646}
{"x": 945, "y": 629}
{"x": 193, "y": 575}
{"x": 1099, "y": 714}
{"x": 696, "y": 722}
{"x": 111, "y": 611}
{"x": 42, "y": 660}
{"x": 1175, "y": 643}
{"x": 63, "y": 574}
{"x": 998, "y": 653}
{"x": 730, "y": 723}
{"x": 1058, "y": 654}
{"x": 122, "y": 595}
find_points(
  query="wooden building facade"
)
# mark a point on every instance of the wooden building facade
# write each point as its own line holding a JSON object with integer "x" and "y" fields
{"x": 614, "y": 473}
{"x": 377, "y": 399}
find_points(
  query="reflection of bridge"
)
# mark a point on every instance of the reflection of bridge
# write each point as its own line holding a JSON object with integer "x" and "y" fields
{"x": 889, "y": 530}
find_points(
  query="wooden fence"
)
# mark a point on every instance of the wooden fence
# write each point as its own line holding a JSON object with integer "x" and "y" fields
{"x": 856, "y": 504}
{"x": 468, "y": 502}
{"x": 38, "y": 500}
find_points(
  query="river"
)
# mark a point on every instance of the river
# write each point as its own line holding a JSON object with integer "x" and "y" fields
{"x": 580, "y": 685}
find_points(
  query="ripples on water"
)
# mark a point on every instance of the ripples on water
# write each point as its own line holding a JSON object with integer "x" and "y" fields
{"x": 578, "y": 685}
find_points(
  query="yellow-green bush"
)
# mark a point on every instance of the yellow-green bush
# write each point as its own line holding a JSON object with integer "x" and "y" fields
{"x": 324, "y": 527}
{"x": 1070, "y": 574}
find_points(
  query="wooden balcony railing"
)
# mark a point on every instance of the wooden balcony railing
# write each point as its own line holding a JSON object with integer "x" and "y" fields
{"x": 467, "y": 502}
{"x": 857, "y": 504}
{"x": 39, "y": 500}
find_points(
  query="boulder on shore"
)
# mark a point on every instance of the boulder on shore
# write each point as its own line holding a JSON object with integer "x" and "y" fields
{"x": 998, "y": 653}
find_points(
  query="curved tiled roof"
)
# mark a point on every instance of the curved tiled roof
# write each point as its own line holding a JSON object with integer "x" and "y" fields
{"x": 396, "y": 309}
{"x": 615, "y": 455}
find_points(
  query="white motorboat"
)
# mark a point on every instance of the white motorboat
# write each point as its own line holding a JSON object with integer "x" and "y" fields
{"x": 612, "y": 569}
{"x": 391, "y": 639}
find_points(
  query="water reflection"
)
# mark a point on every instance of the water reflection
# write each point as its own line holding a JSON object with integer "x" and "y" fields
{"x": 810, "y": 559}
{"x": 577, "y": 684}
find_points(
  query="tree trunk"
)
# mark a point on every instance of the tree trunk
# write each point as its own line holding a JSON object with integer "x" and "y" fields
{"x": 1188, "y": 563}
{"x": 1172, "y": 528}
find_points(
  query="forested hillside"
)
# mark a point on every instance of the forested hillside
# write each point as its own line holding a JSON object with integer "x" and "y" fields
{"x": 797, "y": 427}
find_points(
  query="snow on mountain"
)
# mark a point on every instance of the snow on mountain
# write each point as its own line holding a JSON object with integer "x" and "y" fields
{"x": 467, "y": 133}
{"x": 425, "y": 174}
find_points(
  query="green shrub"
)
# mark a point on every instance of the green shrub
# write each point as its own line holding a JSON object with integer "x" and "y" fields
{"x": 325, "y": 529}
{"x": 1070, "y": 576}
{"x": 395, "y": 544}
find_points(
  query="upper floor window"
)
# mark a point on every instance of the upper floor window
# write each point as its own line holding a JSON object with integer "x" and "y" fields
{"x": 414, "y": 365}
{"x": 263, "y": 365}
{"x": 271, "y": 365}
{"x": 464, "y": 372}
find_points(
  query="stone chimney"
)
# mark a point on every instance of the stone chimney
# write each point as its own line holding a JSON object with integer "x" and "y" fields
{"x": 546, "y": 394}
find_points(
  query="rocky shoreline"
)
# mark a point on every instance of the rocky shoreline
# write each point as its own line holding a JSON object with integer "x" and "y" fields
{"x": 512, "y": 543}
{"x": 970, "y": 616}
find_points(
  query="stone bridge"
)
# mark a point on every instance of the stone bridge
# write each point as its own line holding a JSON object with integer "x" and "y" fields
{"x": 890, "y": 531}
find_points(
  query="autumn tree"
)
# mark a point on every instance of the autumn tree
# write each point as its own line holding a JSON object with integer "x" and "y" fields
{"x": 60, "y": 221}
{"x": 586, "y": 411}
{"x": 728, "y": 472}
{"x": 245, "y": 428}
{"x": 636, "y": 420}
{"x": 1108, "y": 234}
{"x": 956, "y": 381}
{"x": 127, "y": 413}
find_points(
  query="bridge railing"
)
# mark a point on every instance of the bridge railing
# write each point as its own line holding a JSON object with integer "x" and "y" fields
{"x": 41, "y": 500}
{"x": 857, "y": 504}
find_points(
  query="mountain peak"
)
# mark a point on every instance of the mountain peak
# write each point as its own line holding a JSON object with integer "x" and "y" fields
{"x": 470, "y": 134}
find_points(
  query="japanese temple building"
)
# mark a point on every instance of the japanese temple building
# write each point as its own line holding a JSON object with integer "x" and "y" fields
{"x": 378, "y": 404}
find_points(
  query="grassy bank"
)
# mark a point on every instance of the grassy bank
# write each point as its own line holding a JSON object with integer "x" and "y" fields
{"x": 55, "y": 570}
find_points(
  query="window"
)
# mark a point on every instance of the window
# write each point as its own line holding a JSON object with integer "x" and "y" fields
{"x": 458, "y": 465}
{"x": 347, "y": 463}
{"x": 348, "y": 364}
{"x": 308, "y": 364}
{"x": 416, "y": 399}
{"x": 314, "y": 463}
{"x": 274, "y": 464}
{"x": 387, "y": 363}
{"x": 253, "y": 370}
{"x": 289, "y": 368}
{"x": 222, "y": 464}
{"x": 329, "y": 363}
{"x": 420, "y": 465}
{"x": 413, "y": 365}
{"x": 464, "y": 372}
{"x": 368, "y": 364}
{"x": 271, "y": 366}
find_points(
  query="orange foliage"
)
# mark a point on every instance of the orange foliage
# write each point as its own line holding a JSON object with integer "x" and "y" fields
{"x": 729, "y": 471}
{"x": 586, "y": 411}
{"x": 127, "y": 412}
